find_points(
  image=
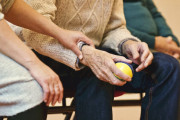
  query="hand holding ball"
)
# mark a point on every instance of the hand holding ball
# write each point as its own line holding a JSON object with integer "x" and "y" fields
{"x": 125, "y": 68}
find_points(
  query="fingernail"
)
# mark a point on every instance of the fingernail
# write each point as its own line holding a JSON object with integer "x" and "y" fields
{"x": 146, "y": 64}
{"x": 129, "y": 79}
{"x": 80, "y": 57}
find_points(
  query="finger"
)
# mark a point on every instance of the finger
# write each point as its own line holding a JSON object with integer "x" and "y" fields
{"x": 76, "y": 50}
{"x": 121, "y": 58}
{"x": 46, "y": 92}
{"x": 88, "y": 41}
{"x": 119, "y": 73}
{"x": 57, "y": 93}
{"x": 135, "y": 53}
{"x": 114, "y": 80}
{"x": 149, "y": 59}
{"x": 144, "y": 53}
{"x": 174, "y": 49}
{"x": 176, "y": 55}
{"x": 51, "y": 96}
{"x": 61, "y": 91}
{"x": 169, "y": 39}
{"x": 99, "y": 74}
{"x": 146, "y": 63}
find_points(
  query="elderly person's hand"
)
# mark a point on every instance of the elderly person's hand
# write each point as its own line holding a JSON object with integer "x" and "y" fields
{"x": 139, "y": 53}
{"x": 103, "y": 65}
{"x": 49, "y": 81}
{"x": 167, "y": 45}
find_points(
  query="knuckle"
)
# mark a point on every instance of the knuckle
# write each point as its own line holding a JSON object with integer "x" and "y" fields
{"x": 62, "y": 90}
{"x": 52, "y": 92}
{"x": 145, "y": 44}
{"x": 100, "y": 77}
{"x": 122, "y": 83}
{"x": 113, "y": 82}
{"x": 57, "y": 92}
{"x": 46, "y": 91}
{"x": 105, "y": 71}
{"x": 48, "y": 78}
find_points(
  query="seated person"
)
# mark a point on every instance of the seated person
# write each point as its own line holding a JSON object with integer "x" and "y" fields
{"x": 146, "y": 22}
{"x": 103, "y": 22}
{"x": 25, "y": 82}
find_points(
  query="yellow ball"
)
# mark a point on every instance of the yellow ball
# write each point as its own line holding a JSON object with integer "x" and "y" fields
{"x": 125, "y": 68}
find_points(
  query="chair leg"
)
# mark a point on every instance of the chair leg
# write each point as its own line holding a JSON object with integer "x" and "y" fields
{"x": 141, "y": 96}
{"x": 69, "y": 115}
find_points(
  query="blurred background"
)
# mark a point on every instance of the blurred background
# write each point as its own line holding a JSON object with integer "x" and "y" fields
{"x": 171, "y": 11}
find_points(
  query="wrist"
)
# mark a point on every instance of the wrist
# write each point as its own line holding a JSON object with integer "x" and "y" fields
{"x": 32, "y": 63}
{"x": 58, "y": 33}
{"x": 87, "y": 52}
{"x": 158, "y": 42}
{"x": 123, "y": 45}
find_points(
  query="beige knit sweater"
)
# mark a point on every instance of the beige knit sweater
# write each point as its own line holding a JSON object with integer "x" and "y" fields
{"x": 101, "y": 20}
{"x": 4, "y": 7}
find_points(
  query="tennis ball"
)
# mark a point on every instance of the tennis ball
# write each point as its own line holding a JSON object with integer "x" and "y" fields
{"x": 125, "y": 68}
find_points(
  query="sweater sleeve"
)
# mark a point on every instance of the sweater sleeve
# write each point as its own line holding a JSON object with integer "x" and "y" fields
{"x": 163, "y": 29}
{"x": 46, "y": 45}
{"x": 149, "y": 39}
{"x": 1, "y": 14}
{"x": 6, "y": 5}
{"x": 116, "y": 32}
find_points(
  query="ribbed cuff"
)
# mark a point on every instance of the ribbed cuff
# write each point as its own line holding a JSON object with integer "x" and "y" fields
{"x": 120, "y": 46}
{"x": 6, "y": 5}
{"x": 1, "y": 16}
{"x": 78, "y": 64}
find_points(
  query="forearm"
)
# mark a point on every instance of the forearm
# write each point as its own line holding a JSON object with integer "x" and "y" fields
{"x": 13, "y": 47}
{"x": 23, "y": 15}
{"x": 50, "y": 47}
{"x": 114, "y": 40}
{"x": 163, "y": 28}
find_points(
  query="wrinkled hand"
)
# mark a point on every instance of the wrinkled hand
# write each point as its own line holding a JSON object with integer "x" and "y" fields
{"x": 103, "y": 65}
{"x": 139, "y": 53}
{"x": 167, "y": 45}
{"x": 70, "y": 39}
{"x": 49, "y": 81}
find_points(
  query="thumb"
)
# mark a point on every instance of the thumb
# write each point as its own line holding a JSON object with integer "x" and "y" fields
{"x": 169, "y": 39}
{"x": 135, "y": 54}
{"x": 78, "y": 53}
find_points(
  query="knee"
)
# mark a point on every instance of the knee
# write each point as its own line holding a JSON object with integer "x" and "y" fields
{"x": 166, "y": 62}
{"x": 164, "y": 67}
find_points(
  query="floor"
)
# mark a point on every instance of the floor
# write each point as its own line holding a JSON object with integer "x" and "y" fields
{"x": 119, "y": 113}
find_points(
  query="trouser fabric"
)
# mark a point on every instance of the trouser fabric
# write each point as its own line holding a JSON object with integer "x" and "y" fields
{"x": 93, "y": 98}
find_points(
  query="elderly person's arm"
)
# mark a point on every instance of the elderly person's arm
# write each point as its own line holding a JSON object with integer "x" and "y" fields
{"x": 119, "y": 40}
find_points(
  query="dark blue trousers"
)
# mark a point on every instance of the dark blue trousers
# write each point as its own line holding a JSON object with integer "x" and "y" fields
{"x": 93, "y": 98}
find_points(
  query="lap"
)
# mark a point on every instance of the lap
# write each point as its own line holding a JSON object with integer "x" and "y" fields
{"x": 141, "y": 81}
{"x": 11, "y": 71}
{"x": 17, "y": 88}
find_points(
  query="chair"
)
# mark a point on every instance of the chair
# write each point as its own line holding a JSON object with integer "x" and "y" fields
{"x": 68, "y": 110}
